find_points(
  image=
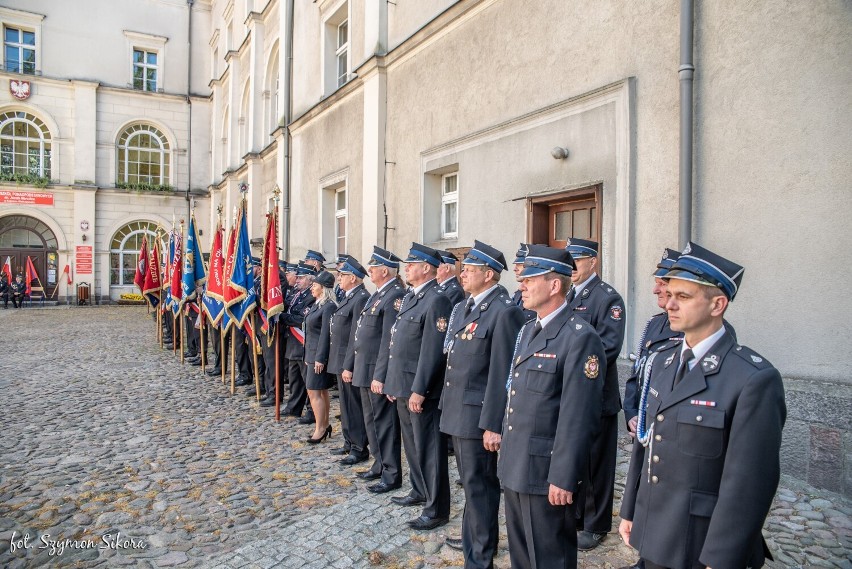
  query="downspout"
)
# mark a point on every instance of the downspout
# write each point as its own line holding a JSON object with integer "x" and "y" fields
{"x": 189, "y": 103}
{"x": 288, "y": 103}
{"x": 685, "y": 73}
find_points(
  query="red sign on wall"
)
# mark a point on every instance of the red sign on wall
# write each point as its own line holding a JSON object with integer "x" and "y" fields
{"x": 83, "y": 260}
{"x": 26, "y": 198}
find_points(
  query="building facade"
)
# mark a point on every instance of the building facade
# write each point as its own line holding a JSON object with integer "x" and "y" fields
{"x": 442, "y": 121}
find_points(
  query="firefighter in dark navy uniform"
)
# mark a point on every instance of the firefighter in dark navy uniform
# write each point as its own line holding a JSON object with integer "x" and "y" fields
{"x": 294, "y": 352}
{"x": 552, "y": 412}
{"x": 706, "y": 462}
{"x": 517, "y": 267}
{"x": 600, "y": 305}
{"x": 416, "y": 364}
{"x": 4, "y": 290}
{"x": 448, "y": 283}
{"x": 366, "y": 367}
{"x": 480, "y": 338}
{"x": 17, "y": 291}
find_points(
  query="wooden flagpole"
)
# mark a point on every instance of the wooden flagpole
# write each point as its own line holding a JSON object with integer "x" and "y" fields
{"x": 233, "y": 366}
{"x": 201, "y": 344}
{"x": 223, "y": 359}
{"x": 253, "y": 339}
{"x": 277, "y": 379}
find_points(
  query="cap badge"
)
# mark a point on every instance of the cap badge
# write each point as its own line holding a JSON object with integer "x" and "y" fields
{"x": 441, "y": 324}
{"x": 666, "y": 254}
{"x": 592, "y": 367}
{"x": 688, "y": 249}
{"x": 567, "y": 242}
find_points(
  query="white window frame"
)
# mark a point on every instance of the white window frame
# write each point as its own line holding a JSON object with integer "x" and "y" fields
{"x": 137, "y": 41}
{"x": 338, "y": 215}
{"x": 44, "y": 144}
{"x": 145, "y": 66}
{"x": 327, "y": 213}
{"x": 133, "y": 131}
{"x": 334, "y": 17}
{"x": 142, "y": 227}
{"x": 446, "y": 199}
{"x": 342, "y": 51}
{"x": 23, "y": 21}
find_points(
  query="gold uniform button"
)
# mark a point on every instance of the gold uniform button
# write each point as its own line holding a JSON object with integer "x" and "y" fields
{"x": 656, "y": 459}
{"x": 699, "y": 418}
{"x": 448, "y": 384}
{"x": 654, "y": 479}
{"x": 660, "y": 417}
{"x": 513, "y": 392}
{"x": 449, "y": 367}
{"x": 511, "y": 410}
{"x": 510, "y": 427}
{"x": 516, "y": 375}
{"x": 658, "y": 438}
{"x": 539, "y": 366}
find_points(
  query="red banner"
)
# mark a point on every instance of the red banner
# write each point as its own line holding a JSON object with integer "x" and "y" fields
{"x": 26, "y": 198}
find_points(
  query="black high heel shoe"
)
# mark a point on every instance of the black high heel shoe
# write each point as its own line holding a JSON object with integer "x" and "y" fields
{"x": 325, "y": 435}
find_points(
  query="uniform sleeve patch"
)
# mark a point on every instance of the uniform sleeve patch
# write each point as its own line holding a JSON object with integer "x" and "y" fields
{"x": 441, "y": 324}
{"x": 592, "y": 367}
{"x": 397, "y": 304}
{"x": 616, "y": 313}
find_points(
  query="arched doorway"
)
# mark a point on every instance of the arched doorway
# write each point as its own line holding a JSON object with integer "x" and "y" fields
{"x": 22, "y": 236}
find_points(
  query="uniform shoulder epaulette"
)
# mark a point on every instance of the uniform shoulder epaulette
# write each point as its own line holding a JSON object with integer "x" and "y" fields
{"x": 752, "y": 357}
{"x": 608, "y": 289}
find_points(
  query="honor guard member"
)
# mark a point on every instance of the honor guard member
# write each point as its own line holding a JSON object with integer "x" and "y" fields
{"x": 706, "y": 463}
{"x": 416, "y": 365}
{"x": 601, "y": 306}
{"x": 251, "y": 390}
{"x": 517, "y": 267}
{"x": 480, "y": 338}
{"x": 294, "y": 352}
{"x": 448, "y": 283}
{"x": 315, "y": 259}
{"x": 552, "y": 414}
{"x": 366, "y": 367}
{"x": 17, "y": 290}
{"x": 269, "y": 345}
{"x": 350, "y": 280}
{"x": 339, "y": 292}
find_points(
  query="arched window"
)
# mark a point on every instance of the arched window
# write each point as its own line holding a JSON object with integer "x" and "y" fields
{"x": 24, "y": 145}
{"x": 124, "y": 251}
{"x": 143, "y": 156}
{"x": 24, "y": 232}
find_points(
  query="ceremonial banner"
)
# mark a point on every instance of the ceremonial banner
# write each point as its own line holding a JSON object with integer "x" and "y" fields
{"x": 194, "y": 272}
{"x": 7, "y": 269}
{"x": 271, "y": 299}
{"x": 213, "y": 301}
{"x": 241, "y": 297}
{"x": 31, "y": 276}
{"x": 176, "y": 274}
{"x": 141, "y": 265}
{"x": 152, "y": 286}
{"x": 226, "y": 275}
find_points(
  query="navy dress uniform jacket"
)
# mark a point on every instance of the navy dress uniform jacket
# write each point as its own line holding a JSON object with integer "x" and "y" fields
{"x": 602, "y": 307}
{"x": 416, "y": 360}
{"x": 452, "y": 290}
{"x": 714, "y": 464}
{"x": 317, "y": 344}
{"x": 368, "y": 358}
{"x": 341, "y": 327}
{"x": 553, "y": 408}
{"x": 656, "y": 333}
{"x": 299, "y": 307}
{"x": 478, "y": 361}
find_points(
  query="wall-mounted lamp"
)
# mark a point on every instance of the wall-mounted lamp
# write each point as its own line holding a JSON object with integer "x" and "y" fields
{"x": 559, "y": 153}
{"x": 84, "y": 237}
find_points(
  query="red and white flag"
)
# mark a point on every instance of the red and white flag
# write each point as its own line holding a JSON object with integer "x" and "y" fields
{"x": 141, "y": 265}
{"x": 271, "y": 299}
{"x": 7, "y": 269}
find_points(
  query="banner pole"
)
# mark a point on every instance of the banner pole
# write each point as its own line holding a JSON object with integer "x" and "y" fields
{"x": 254, "y": 357}
{"x": 233, "y": 367}
{"x": 223, "y": 357}
{"x": 201, "y": 344}
{"x": 277, "y": 379}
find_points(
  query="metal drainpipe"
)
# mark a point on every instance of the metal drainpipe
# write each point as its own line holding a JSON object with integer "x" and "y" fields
{"x": 189, "y": 102}
{"x": 288, "y": 84}
{"x": 685, "y": 73}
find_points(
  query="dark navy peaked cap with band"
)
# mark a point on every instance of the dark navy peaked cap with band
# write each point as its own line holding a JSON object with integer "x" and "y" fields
{"x": 485, "y": 255}
{"x": 521, "y": 254}
{"x": 304, "y": 270}
{"x": 383, "y": 257}
{"x": 582, "y": 248}
{"x": 423, "y": 254}
{"x": 666, "y": 261}
{"x": 542, "y": 259}
{"x": 701, "y": 266}
{"x": 314, "y": 256}
{"x": 351, "y": 266}
{"x": 447, "y": 257}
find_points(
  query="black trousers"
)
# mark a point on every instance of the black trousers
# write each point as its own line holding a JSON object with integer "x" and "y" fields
{"x": 541, "y": 536}
{"x": 220, "y": 358}
{"x": 478, "y": 472}
{"x": 381, "y": 422}
{"x": 352, "y": 418}
{"x": 269, "y": 348}
{"x": 298, "y": 391}
{"x": 242, "y": 355}
{"x": 426, "y": 452}
{"x": 594, "y": 504}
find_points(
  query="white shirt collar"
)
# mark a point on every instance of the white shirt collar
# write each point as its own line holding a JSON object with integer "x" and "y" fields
{"x": 386, "y": 285}
{"x": 547, "y": 319}
{"x": 579, "y": 288}
{"x": 419, "y": 288}
{"x": 702, "y": 347}
{"x": 477, "y": 300}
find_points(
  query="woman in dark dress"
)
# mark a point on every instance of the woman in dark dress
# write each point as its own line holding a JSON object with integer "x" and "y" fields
{"x": 317, "y": 337}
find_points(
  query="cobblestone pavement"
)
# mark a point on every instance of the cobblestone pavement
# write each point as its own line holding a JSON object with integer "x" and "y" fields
{"x": 109, "y": 439}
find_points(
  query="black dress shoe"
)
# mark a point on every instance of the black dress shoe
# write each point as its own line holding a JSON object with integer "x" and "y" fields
{"x": 195, "y": 362}
{"x": 242, "y": 380}
{"x": 587, "y": 540}
{"x": 381, "y": 487}
{"x": 307, "y": 420}
{"x": 214, "y": 372}
{"x": 354, "y": 459}
{"x": 167, "y": 345}
{"x": 454, "y": 542}
{"x": 342, "y": 451}
{"x": 407, "y": 500}
{"x": 267, "y": 402}
{"x": 426, "y": 523}
{"x": 369, "y": 475}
